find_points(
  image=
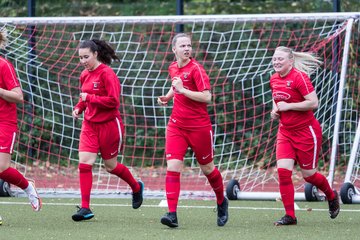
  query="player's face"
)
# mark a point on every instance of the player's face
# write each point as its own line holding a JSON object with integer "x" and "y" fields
{"x": 281, "y": 62}
{"x": 87, "y": 58}
{"x": 183, "y": 49}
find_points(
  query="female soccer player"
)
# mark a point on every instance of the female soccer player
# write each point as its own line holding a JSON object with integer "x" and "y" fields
{"x": 102, "y": 129}
{"x": 10, "y": 94}
{"x": 189, "y": 125}
{"x": 299, "y": 136}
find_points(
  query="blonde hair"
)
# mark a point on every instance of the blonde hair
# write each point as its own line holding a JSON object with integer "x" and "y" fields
{"x": 304, "y": 61}
{"x": 179, "y": 35}
{"x": 3, "y": 38}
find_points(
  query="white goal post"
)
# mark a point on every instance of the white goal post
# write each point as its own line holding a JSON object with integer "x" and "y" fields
{"x": 236, "y": 52}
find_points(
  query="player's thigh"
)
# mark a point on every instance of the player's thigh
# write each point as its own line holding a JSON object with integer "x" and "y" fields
{"x": 308, "y": 145}
{"x": 201, "y": 142}
{"x": 176, "y": 144}
{"x": 7, "y": 138}
{"x": 284, "y": 147}
{"x": 111, "y": 136}
{"x": 89, "y": 140}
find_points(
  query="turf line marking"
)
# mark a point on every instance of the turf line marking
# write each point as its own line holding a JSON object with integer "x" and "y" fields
{"x": 180, "y": 206}
{"x": 163, "y": 203}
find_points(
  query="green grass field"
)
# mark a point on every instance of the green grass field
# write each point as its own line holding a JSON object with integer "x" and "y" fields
{"x": 115, "y": 219}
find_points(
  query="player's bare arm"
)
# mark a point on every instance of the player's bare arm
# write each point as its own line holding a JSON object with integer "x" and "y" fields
{"x": 204, "y": 96}
{"x": 274, "y": 112}
{"x": 14, "y": 95}
{"x": 163, "y": 100}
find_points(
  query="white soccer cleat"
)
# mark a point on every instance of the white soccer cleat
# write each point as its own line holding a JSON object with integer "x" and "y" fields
{"x": 34, "y": 197}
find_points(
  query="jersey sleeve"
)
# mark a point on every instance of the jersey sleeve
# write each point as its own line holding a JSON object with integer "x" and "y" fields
{"x": 80, "y": 105}
{"x": 201, "y": 79}
{"x": 8, "y": 73}
{"x": 304, "y": 84}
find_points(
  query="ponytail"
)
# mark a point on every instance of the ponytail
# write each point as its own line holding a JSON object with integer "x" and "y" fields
{"x": 303, "y": 61}
{"x": 105, "y": 52}
{"x": 3, "y": 39}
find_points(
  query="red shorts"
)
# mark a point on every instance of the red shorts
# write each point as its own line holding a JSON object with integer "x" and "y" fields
{"x": 302, "y": 145}
{"x": 200, "y": 140}
{"x": 106, "y": 138}
{"x": 7, "y": 138}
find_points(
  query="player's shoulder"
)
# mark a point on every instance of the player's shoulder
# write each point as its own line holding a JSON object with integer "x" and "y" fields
{"x": 173, "y": 65}
{"x": 296, "y": 74}
{"x": 193, "y": 64}
{"x": 274, "y": 76}
{"x": 4, "y": 61}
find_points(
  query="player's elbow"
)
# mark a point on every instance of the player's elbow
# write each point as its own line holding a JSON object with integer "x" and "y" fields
{"x": 19, "y": 98}
{"x": 314, "y": 104}
{"x": 207, "y": 97}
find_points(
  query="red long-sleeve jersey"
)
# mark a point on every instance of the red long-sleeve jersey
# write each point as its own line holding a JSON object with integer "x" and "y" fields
{"x": 8, "y": 81}
{"x": 103, "y": 94}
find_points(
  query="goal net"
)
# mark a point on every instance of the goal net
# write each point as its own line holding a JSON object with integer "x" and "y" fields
{"x": 236, "y": 51}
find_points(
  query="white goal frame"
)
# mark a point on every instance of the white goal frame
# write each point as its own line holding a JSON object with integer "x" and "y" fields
{"x": 268, "y": 18}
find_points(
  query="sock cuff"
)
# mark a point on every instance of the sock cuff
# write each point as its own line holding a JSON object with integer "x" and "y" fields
{"x": 283, "y": 172}
{"x": 311, "y": 178}
{"x": 214, "y": 173}
{"x": 172, "y": 174}
{"x": 118, "y": 169}
{"x": 85, "y": 167}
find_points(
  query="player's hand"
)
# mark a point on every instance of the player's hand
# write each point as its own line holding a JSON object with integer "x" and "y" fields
{"x": 274, "y": 114}
{"x": 83, "y": 96}
{"x": 282, "y": 106}
{"x": 75, "y": 113}
{"x": 177, "y": 84}
{"x": 162, "y": 100}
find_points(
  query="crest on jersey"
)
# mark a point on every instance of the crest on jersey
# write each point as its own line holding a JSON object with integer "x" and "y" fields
{"x": 186, "y": 74}
{"x": 288, "y": 83}
{"x": 96, "y": 85}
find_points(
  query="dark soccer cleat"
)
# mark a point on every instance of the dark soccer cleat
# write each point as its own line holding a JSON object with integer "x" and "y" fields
{"x": 334, "y": 206}
{"x": 222, "y": 212}
{"x": 170, "y": 220}
{"x": 137, "y": 198}
{"x": 82, "y": 214}
{"x": 286, "y": 220}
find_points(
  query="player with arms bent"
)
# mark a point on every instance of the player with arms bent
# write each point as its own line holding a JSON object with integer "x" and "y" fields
{"x": 102, "y": 129}
{"x": 10, "y": 94}
{"x": 299, "y": 137}
{"x": 189, "y": 125}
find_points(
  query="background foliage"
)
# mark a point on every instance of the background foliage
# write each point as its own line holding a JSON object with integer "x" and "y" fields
{"x": 18, "y": 8}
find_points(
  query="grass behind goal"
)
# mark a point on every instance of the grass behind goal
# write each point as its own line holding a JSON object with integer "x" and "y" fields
{"x": 115, "y": 219}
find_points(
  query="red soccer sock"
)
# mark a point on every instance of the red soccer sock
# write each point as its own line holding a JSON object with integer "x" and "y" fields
{"x": 13, "y": 176}
{"x": 85, "y": 176}
{"x": 123, "y": 172}
{"x": 216, "y": 182}
{"x": 321, "y": 183}
{"x": 287, "y": 191}
{"x": 172, "y": 186}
